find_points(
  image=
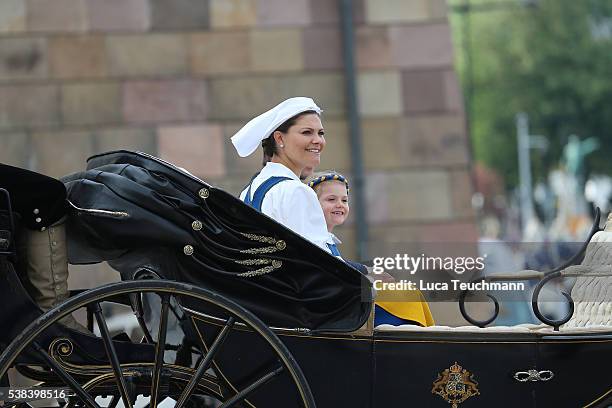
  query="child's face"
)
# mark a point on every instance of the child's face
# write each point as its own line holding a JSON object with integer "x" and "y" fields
{"x": 334, "y": 201}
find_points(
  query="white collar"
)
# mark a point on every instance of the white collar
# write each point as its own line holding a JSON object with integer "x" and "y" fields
{"x": 334, "y": 239}
{"x": 277, "y": 169}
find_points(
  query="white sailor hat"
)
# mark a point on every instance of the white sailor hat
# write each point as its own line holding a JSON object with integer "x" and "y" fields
{"x": 247, "y": 139}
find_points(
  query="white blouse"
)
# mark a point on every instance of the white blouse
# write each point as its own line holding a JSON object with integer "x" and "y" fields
{"x": 292, "y": 203}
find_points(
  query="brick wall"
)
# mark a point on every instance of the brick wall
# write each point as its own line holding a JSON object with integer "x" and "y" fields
{"x": 177, "y": 78}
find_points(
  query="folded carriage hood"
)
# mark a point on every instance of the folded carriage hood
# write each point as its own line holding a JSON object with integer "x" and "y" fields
{"x": 137, "y": 211}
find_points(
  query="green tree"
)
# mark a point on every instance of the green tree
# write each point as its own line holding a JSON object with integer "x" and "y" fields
{"x": 552, "y": 61}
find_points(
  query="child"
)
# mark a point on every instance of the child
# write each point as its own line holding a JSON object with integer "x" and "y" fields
{"x": 332, "y": 190}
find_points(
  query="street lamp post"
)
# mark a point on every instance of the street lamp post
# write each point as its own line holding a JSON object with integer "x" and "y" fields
{"x": 526, "y": 142}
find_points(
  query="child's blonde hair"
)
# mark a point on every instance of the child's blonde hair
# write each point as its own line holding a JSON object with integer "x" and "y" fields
{"x": 315, "y": 179}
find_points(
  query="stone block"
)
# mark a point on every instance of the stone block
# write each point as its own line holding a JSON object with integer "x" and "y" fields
{"x": 179, "y": 14}
{"x": 453, "y": 232}
{"x": 391, "y": 239}
{"x": 15, "y": 148}
{"x": 136, "y": 139}
{"x": 438, "y": 9}
{"x": 199, "y": 148}
{"x": 233, "y": 13}
{"x": 283, "y": 13}
{"x": 348, "y": 235}
{"x": 77, "y": 57}
{"x": 419, "y": 195}
{"x": 12, "y": 16}
{"x": 242, "y": 98}
{"x": 91, "y": 103}
{"x": 377, "y": 197}
{"x": 434, "y": 140}
{"x": 424, "y": 91}
{"x": 373, "y": 47}
{"x": 147, "y": 54}
{"x": 240, "y": 167}
{"x": 276, "y": 50}
{"x": 396, "y": 11}
{"x": 452, "y": 92}
{"x": 324, "y": 12}
{"x": 56, "y": 15}
{"x": 382, "y": 144}
{"x": 431, "y": 91}
{"x": 23, "y": 58}
{"x": 158, "y": 101}
{"x": 119, "y": 15}
{"x": 379, "y": 93}
{"x": 231, "y": 184}
{"x": 461, "y": 193}
{"x": 29, "y": 106}
{"x": 327, "y": 90}
{"x": 60, "y": 153}
{"x": 322, "y": 48}
{"x": 422, "y": 45}
{"x": 337, "y": 154}
{"x": 220, "y": 52}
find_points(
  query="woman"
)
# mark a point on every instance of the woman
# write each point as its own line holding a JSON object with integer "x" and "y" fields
{"x": 292, "y": 135}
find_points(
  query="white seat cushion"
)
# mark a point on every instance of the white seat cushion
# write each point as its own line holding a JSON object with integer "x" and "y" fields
{"x": 521, "y": 328}
{"x": 593, "y": 295}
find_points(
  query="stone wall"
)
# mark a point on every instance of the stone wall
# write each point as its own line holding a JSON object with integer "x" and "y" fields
{"x": 177, "y": 78}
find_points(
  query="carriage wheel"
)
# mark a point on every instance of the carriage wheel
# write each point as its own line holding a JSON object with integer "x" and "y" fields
{"x": 197, "y": 383}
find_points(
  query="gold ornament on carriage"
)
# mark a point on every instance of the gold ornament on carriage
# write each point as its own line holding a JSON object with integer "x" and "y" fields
{"x": 271, "y": 264}
{"x": 203, "y": 193}
{"x": 275, "y": 245}
{"x": 455, "y": 385}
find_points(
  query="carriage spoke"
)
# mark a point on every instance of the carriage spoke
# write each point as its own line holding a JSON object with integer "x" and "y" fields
{"x": 252, "y": 387}
{"x": 160, "y": 349}
{"x": 114, "y": 401}
{"x": 112, "y": 355}
{"x": 136, "y": 302}
{"x": 67, "y": 378}
{"x": 205, "y": 363}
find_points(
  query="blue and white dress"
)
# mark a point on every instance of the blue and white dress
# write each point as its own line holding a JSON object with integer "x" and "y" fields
{"x": 289, "y": 202}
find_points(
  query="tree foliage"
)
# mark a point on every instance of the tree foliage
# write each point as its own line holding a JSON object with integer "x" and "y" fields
{"x": 552, "y": 61}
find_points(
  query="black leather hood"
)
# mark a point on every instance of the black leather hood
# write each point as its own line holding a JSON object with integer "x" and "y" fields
{"x": 135, "y": 211}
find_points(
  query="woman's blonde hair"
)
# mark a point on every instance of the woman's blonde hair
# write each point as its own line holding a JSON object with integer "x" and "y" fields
{"x": 315, "y": 179}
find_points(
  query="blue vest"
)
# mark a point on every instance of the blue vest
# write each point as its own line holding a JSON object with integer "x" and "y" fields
{"x": 260, "y": 194}
{"x": 261, "y": 191}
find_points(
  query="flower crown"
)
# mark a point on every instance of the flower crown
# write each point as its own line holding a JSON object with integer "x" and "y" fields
{"x": 329, "y": 177}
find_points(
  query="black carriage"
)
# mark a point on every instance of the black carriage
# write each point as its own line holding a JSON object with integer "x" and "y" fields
{"x": 233, "y": 309}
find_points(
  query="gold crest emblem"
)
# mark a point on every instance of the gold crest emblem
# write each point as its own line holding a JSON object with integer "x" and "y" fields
{"x": 455, "y": 385}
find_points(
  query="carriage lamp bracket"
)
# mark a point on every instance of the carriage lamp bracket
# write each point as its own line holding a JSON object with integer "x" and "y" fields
{"x": 466, "y": 316}
{"x": 536, "y": 309}
{"x": 533, "y": 375}
{"x": 548, "y": 275}
{"x": 558, "y": 272}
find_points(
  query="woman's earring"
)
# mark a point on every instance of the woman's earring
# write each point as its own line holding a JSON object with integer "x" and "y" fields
{"x": 282, "y": 145}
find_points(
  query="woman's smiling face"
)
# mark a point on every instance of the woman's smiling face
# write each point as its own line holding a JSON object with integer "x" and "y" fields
{"x": 334, "y": 202}
{"x": 303, "y": 143}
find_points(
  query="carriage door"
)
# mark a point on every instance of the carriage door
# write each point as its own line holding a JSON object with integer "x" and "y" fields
{"x": 443, "y": 369}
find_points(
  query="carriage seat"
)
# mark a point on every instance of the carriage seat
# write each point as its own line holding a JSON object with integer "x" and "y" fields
{"x": 592, "y": 295}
